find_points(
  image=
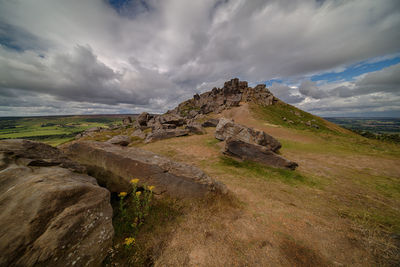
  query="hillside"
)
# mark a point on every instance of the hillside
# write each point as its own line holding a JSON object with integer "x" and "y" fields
{"x": 340, "y": 207}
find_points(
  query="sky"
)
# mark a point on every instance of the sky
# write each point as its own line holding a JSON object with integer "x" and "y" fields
{"x": 328, "y": 57}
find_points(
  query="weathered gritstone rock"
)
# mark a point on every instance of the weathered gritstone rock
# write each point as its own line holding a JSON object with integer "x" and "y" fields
{"x": 218, "y": 99}
{"x": 115, "y": 166}
{"x": 34, "y": 154}
{"x": 50, "y": 216}
{"x": 257, "y": 153}
{"x": 121, "y": 140}
{"x": 160, "y": 134}
{"x": 227, "y": 128}
{"x": 210, "y": 123}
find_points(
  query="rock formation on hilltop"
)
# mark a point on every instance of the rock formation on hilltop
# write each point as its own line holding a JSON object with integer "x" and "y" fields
{"x": 184, "y": 119}
{"x": 218, "y": 99}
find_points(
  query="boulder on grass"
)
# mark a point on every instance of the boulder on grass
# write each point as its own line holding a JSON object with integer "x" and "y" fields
{"x": 195, "y": 128}
{"x": 120, "y": 140}
{"x": 50, "y": 216}
{"x": 160, "y": 134}
{"x": 257, "y": 153}
{"x": 211, "y": 123}
{"x": 227, "y": 128}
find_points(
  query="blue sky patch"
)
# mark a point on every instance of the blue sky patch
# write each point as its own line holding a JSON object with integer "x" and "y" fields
{"x": 352, "y": 71}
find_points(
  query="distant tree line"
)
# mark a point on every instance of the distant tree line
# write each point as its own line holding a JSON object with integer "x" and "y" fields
{"x": 394, "y": 138}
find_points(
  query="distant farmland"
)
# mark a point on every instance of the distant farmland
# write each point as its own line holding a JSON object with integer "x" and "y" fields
{"x": 54, "y": 130}
{"x": 374, "y": 125}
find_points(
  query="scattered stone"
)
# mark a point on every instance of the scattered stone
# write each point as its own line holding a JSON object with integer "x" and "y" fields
{"x": 121, "y": 140}
{"x": 257, "y": 153}
{"x": 308, "y": 123}
{"x": 127, "y": 121}
{"x": 115, "y": 166}
{"x": 50, "y": 215}
{"x": 227, "y": 128}
{"x": 290, "y": 121}
{"x": 315, "y": 126}
{"x": 88, "y": 132}
{"x": 297, "y": 114}
{"x": 211, "y": 123}
{"x": 160, "y": 134}
{"x": 284, "y": 118}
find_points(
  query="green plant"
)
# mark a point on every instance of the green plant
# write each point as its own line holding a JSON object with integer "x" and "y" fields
{"x": 133, "y": 213}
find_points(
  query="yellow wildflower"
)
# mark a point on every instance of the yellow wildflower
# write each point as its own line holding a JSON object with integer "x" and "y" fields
{"x": 134, "y": 181}
{"x": 138, "y": 193}
{"x": 129, "y": 241}
{"x": 151, "y": 187}
{"x": 122, "y": 194}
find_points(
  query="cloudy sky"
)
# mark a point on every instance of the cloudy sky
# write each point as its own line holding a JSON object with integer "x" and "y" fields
{"x": 331, "y": 58}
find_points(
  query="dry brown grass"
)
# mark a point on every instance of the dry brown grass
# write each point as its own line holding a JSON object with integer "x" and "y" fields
{"x": 276, "y": 219}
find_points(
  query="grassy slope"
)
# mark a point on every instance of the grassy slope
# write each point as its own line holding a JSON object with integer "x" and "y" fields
{"x": 339, "y": 208}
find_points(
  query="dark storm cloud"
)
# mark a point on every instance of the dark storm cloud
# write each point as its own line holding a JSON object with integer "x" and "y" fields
{"x": 154, "y": 54}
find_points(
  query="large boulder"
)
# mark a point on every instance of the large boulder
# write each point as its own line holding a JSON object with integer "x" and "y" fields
{"x": 120, "y": 140}
{"x": 161, "y": 133}
{"x": 257, "y": 153}
{"x": 127, "y": 121}
{"x": 143, "y": 118}
{"x": 50, "y": 215}
{"x": 227, "y": 128}
{"x": 171, "y": 119}
{"x": 210, "y": 123}
{"x": 195, "y": 127}
{"x": 115, "y": 166}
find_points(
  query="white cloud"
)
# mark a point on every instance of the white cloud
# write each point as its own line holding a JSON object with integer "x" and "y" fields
{"x": 155, "y": 55}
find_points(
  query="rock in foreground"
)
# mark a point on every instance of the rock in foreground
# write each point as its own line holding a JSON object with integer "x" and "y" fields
{"x": 257, "y": 153}
{"x": 50, "y": 216}
{"x": 115, "y": 166}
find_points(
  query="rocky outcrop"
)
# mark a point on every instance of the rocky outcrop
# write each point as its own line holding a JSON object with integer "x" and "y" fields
{"x": 218, "y": 99}
{"x": 115, "y": 166}
{"x": 227, "y": 128}
{"x": 250, "y": 144}
{"x": 257, "y": 153}
{"x": 50, "y": 215}
{"x": 121, "y": 140}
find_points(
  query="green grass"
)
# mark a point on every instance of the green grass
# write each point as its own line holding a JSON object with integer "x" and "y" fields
{"x": 275, "y": 114}
{"x": 256, "y": 170}
{"x": 163, "y": 215}
{"x": 53, "y": 130}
